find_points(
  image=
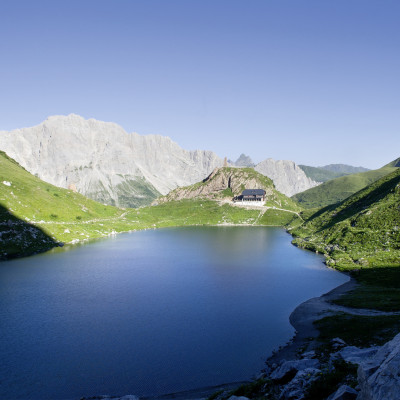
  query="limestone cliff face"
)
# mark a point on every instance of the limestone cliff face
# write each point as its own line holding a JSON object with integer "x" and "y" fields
{"x": 102, "y": 161}
{"x": 288, "y": 177}
{"x": 223, "y": 183}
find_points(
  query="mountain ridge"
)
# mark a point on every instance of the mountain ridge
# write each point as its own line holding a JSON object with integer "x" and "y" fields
{"x": 105, "y": 162}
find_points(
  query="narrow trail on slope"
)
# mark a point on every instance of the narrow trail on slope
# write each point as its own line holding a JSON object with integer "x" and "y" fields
{"x": 262, "y": 212}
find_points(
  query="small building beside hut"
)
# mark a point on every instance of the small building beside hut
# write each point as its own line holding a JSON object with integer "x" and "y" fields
{"x": 252, "y": 195}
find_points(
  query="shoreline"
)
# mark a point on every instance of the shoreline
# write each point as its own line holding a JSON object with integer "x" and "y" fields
{"x": 302, "y": 319}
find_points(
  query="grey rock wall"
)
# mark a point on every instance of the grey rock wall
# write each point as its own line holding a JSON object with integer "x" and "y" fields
{"x": 287, "y": 176}
{"x": 104, "y": 162}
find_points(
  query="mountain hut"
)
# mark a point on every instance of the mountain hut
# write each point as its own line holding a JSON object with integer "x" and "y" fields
{"x": 252, "y": 195}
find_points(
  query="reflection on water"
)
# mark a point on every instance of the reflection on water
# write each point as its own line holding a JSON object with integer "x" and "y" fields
{"x": 151, "y": 312}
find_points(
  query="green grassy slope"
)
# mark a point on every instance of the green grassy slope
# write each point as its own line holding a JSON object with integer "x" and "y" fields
{"x": 344, "y": 168}
{"x": 363, "y": 230}
{"x": 332, "y": 171}
{"x": 36, "y": 216}
{"x": 319, "y": 174}
{"x": 62, "y": 215}
{"x": 336, "y": 190}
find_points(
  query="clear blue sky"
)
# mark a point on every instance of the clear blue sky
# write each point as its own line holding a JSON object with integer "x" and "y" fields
{"x": 314, "y": 81}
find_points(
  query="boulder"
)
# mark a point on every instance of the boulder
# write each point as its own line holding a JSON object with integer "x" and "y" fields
{"x": 379, "y": 377}
{"x": 344, "y": 393}
{"x": 356, "y": 355}
{"x": 309, "y": 354}
{"x": 338, "y": 343}
{"x": 288, "y": 369}
{"x": 296, "y": 388}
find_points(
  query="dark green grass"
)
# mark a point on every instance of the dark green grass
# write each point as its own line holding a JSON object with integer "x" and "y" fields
{"x": 361, "y": 331}
{"x": 379, "y": 289}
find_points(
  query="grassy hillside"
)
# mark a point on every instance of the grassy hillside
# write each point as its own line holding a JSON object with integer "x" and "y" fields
{"x": 36, "y": 216}
{"x": 319, "y": 174}
{"x": 61, "y": 215}
{"x": 332, "y": 171}
{"x": 336, "y": 190}
{"x": 344, "y": 168}
{"x": 363, "y": 230}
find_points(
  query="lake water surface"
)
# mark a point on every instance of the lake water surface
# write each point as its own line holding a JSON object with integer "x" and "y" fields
{"x": 151, "y": 312}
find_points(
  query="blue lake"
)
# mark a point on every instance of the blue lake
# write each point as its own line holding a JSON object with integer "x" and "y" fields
{"x": 151, "y": 312}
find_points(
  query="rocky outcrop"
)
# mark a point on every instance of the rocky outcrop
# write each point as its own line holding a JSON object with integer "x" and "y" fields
{"x": 344, "y": 393}
{"x": 288, "y": 369}
{"x": 104, "y": 162}
{"x": 288, "y": 177}
{"x": 223, "y": 182}
{"x": 355, "y": 355}
{"x": 296, "y": 388}
{"x": 379, "y": 376}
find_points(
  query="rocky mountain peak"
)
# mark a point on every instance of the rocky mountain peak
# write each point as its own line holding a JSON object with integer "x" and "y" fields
{"x": 242, "y": 161}
{"x": 103, "y": 161}
{"x": 288, "y": 177}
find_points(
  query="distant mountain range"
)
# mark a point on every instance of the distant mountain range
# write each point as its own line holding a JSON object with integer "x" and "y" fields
{"x": 102, "y": 161}
{"x": 331, "y": 171}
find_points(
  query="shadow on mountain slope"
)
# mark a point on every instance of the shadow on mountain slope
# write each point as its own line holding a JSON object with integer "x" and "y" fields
{"x": 19, "y": 238}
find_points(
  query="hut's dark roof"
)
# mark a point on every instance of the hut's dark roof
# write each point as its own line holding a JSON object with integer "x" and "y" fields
{"x": 253, "y": 192}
